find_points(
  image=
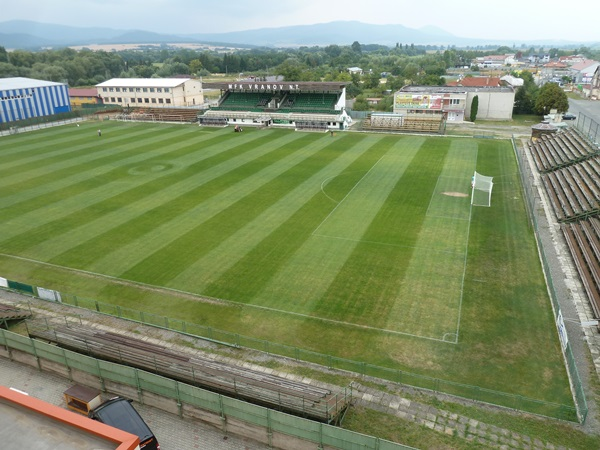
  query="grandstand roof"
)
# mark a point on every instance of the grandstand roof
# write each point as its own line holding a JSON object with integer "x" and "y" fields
{"x": 144, "y": 82}
{"x": 273, "y": 86}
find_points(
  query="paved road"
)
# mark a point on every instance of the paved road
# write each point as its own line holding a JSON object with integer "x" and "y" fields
{"x": 588, "y": 107}
{"x": 588, "y": 117}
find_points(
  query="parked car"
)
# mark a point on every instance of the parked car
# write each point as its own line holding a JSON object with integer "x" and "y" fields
{"x": 118, "y": 412}
{"x": 569, "y": 116}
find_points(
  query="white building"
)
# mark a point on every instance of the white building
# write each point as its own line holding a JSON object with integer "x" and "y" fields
{"x": 495, "y": 103}
{"x": 152, "y": 92}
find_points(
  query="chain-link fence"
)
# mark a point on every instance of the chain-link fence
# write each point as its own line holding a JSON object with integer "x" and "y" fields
{"x": 537, "y": 214}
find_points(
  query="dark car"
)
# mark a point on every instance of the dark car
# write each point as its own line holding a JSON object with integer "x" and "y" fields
{"x": 118, "y": 412}
{"x": 569, "y": 116}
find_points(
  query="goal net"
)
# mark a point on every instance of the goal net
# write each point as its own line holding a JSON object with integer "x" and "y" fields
{"x": 481, "y": 190}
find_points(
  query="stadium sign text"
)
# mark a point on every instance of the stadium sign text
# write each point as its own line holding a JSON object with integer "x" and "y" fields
{"x": 263, "y": 87}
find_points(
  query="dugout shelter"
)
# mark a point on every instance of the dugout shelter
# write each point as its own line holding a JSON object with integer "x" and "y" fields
{"x": 315, "y": 106}
{"x": 26, "y": 98}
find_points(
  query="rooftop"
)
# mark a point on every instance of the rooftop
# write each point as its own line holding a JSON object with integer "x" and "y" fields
{"x": 28, "y": 422}
{"x": 24, "y": 83}
{"x": 144, "y": 82}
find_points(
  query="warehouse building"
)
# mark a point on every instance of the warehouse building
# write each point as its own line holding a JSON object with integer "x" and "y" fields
{"x": 26, "y": 98}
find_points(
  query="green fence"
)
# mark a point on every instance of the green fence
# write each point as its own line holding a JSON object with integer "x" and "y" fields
{"x": 225, "y": 407}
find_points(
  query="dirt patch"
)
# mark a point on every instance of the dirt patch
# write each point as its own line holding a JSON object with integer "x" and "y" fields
{"x": 455, "y": 194}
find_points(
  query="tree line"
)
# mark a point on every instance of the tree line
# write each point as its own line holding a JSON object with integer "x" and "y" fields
{"x": 399, "y": 65}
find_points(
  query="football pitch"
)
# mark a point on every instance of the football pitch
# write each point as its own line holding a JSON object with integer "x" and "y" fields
{"x": 361, "y": 246}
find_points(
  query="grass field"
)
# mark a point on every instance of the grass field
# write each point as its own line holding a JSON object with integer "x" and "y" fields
{"x": 362, "y": 246}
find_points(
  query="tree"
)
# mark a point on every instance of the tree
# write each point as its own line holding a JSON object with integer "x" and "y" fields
{"x": 3, "y": 55}
{"x": 291, "y": 69}
{"x": 474, "y": 108}
{"x": 551, "y": 96}
{"x": 356, "y": 47}
{"x": 195, "y": 66}
{"x": 372, "y": 80}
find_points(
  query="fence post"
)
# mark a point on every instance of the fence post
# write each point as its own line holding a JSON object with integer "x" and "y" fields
{"x": 67, "y": 364}
{"x": 37, "y": 358}
{"x": 269, "y": 429}
{"x": 179, "y": 405}
{"x": 223, "y": 417}
{"x": 138, "y": 386}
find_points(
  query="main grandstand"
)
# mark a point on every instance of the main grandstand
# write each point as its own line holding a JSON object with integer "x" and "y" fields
{"x": 316, "y": 106}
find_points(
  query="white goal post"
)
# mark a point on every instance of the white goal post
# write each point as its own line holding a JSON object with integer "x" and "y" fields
{"x": 481, "y": 190}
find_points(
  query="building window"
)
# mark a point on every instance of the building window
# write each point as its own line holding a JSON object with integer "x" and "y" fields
{"x": 167, "y": 90}
{"x": 455, "y": 101}
{"x": 160, "y": 100}
{"x": 158, "y": 89}
{"x": 168, "y": 100}
{"x": 139, "y": 100}
{"x": 137, "y": 90}
{"x": 145, "y": 89}
{"x": 153, "y": 100}
{"x": 119, "y": 100}
{"x": 146, "y": 100}
{"x": 151, "y": 89}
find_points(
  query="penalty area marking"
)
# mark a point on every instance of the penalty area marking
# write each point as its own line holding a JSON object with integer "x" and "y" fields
{"x": 223, "y": 301}
{"x": 346, "y": 196}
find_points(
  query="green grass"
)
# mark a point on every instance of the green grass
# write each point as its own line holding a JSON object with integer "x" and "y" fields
{"x": 348, "y": 246}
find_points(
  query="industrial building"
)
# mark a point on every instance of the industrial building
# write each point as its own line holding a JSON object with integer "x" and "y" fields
{"x": 26, "y": 98}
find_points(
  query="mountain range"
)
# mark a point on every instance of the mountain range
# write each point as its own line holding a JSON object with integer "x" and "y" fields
{"x": 23, "y": 34}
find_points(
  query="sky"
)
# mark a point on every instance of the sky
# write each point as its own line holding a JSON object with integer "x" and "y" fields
{"x": 517, "y": 20}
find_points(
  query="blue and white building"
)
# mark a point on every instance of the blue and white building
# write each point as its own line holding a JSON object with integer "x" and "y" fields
{"x": 24, "y": 98}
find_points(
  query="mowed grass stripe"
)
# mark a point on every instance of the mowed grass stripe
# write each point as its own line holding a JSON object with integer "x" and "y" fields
{"x": 436, "y": 268}
{"x": 25, "y": 145}
{"x": 302, "y": 283}
{"x": 276, "y": 157}
{"x": 365, "y": 287}
{"x": 68, "y": 159}
{"x": 92, "y": 169}
{"x": 306, "y": 155}
{"x": 241, "y": 265}
{"x": 136, "y": 194}
{"x": 363, "y": 203}
{"x": 72, "y": 198}
{"x": 147, "y": 207}
{"x": 130, "y": 149}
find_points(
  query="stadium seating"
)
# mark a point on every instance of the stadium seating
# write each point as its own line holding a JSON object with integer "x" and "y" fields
{"x": 570, "y": 171}
{"x": 187, "y": 115}
{"x": 583, "y": 239}
{"x": 560, "y": 150}
{"x": 415, "y": 123}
